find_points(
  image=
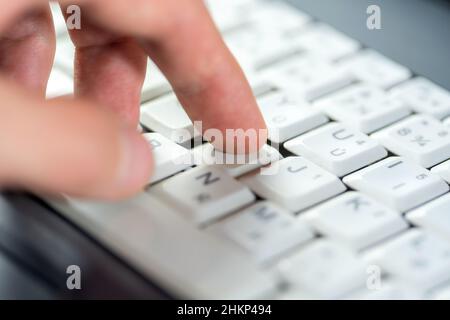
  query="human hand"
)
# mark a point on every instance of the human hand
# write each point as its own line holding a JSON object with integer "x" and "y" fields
{"x": 88, "y": 146}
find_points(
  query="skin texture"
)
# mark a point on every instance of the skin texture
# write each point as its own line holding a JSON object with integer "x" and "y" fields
{"x": 87, "y": 146}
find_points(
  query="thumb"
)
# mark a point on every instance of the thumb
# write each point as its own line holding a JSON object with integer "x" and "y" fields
{"x": 68, "y": 146}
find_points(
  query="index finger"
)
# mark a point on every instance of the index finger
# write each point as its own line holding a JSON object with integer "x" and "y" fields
{"x": 204, "y": 74}
{"x": 181, "y": 38}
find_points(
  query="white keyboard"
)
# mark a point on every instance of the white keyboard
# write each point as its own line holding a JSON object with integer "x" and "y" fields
{"x": 360, "y": 189}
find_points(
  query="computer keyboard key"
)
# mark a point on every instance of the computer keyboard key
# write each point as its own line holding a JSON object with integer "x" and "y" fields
{"x": 295, "y": 183}
{"x": 205, "y": 194}
{"x": 324, "y": 268}
{"x": 326, "y": 43}
{"x": 421, "y": 138}
{"x": 337, "y": 148}
{"x": 279, "y": 17}
{"x": 399, "y": 183}
{"x": 423, "y": 96}
{"x": 363, "y": 107}
{"x": 443, "y": 170}
{"x": 373, "y": 68}
{"x": 265, "y": 230}
{"x": 416, "y": 257}
{"x": 59, "y": 84}
{"x": 287, "y": 118}
{"x": 307, "y": 77}
{"x": 167, "y": 117}
{"x": 234, "y": 165}
{"x": 433, "y": 216}
{"x": 255, "y": 47}
{"x": 155, "y": 239}
{"x": 169, "y": 157}
{"x": 355, "y": 220}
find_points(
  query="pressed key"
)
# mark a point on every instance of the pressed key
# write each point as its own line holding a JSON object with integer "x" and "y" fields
{"x": 337, "y": 148}
{"x": 373, "y": 68}
{"x": 326, "y": 43}
{"x": 398, "y": 183}
{"x": 169, "y": 157}
{"x": 307, "y": 77}
{"x": 295, "y": 183}
{"x": 423, "y": 96}
{"x": 167, "y": 117}
{"x": 355, "y": 220}
{"x": 204, "y": 194}
{"x": 266, "y": 230}
{"x": 433, "y": 216}
{"x": 287, "y": 117}
{"x": 421, "y": 138}
{"x": 324, "y": 268}
{"x": 234, "y": 165}
{"x": 363, "y": 107}
{"x": 416, "y": 257}
{"x": 443, "y": 170}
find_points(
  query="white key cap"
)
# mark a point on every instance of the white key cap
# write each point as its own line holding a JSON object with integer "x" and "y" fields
{"x": 423, "y": 96}
{"x": 307, "y": 77}
{"x": 169, "y": 157}
{"x": 416, "y": 257}
{"x": 390, "y": 290}
{"x": 204, "y": 194}
{"x": 168, "y": 117}
{"x": 325, "y": 269}
{"x": 266, "y": 230}
{"x": 59, "y": 84}
{"x": 234, "y": 165}
{"x": 287, "y": 118}
{"x": 337, "y": 148}
{"x": 398, "y": 183}
{"x": 443, "y": 170}
{"x": 363, "y": 107}
{"x": 355, "y": 220}
{"x": 255, "y": 48}
{"x": 157, "y": 241}
{"x": 373, "y": 68}
{"x": 433, "y": 216}
{"x": 326, "y": 43}
{"x": 155, "y": 83}
{"x": 421, "y": 138}
{"x": 295, "y": 183}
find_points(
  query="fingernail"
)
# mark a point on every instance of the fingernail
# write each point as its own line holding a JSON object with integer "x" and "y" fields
{"x": 136, "y": 162}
